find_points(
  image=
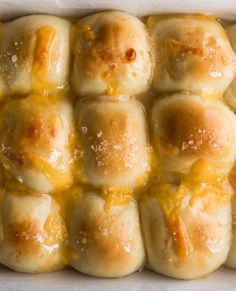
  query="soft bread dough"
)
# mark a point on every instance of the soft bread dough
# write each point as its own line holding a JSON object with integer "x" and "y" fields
{"x": 111, "y": 55}
{"x": 231, "y": 261}
{"x": 29, "y": 243}
{"x": 192, "y": 53}
{"x": 230, "y": 95}
{"x": 177, "y": 176}
{"x": 34, "y": 52}
{"x": 187, "y": 128}
{"x": 114, "y": 140}
{"x": 35, "y": 141}
{"x": 191, "y": 244}
{"x": 104, "y": 241}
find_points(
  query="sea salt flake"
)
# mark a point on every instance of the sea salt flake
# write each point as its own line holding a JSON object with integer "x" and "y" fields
{"x": 84, "y": 129}
{"x": 14, "y": 58}
{"x": 117, "y": 147}
{"x": 99, "y": 134}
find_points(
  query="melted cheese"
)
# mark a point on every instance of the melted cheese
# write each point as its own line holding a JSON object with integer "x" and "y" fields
{"x": 45, "y": 38}
{"x": 34, "y": 54}
{"x": 37, "y": 141}
{"x": 111, "y": 55}
{"x": 202, "y": 181}
{"x": 201, "y": 184}
{"x": 192, "y": 53}
{"x": 67, "y": 182}
{"x": 115, "y": 196}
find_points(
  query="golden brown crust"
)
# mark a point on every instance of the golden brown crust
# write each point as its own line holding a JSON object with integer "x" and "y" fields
{"x": 35, "y": 137}
{"x": 187, "y": 128}
{"x": 25, "y": 236}
{"x": 27, "y": 244}
{"x": 111, "y": 55}
{"x": 178, "y": 174}
{"x": 105, "y": 242}
{"x": 194, "y": 129}
{"x": 34, "y": 54}
{"x": 113, "y": 135}
{"x": 192, "y": 53}
{"x": 190, "y": 245}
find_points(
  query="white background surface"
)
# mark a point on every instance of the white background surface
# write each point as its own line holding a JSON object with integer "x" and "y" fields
{"x": 13, "y": 8}
{"x": 69, "y": 280}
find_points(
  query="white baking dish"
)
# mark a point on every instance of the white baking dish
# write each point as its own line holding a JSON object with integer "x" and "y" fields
{"x": 223, "y": 279}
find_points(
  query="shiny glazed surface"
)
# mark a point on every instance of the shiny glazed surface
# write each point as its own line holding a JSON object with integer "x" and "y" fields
{"x": 117, "y": 144}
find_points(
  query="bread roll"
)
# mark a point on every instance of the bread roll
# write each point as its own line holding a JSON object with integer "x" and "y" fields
{"x": 111, "y": 55}
{"x": 230, "y": 95}
{"x": 104, "y": 241}
{"x": 187, "y": 128}
{"x": 35, "y": 137}
{"x": 32, "y": 232}
{"x": 192, "y": 52}
{"x": 113, "y": 136}
{"x": 231, "y": 261}
{"x": 149, "y": 131}
{"x": 186, "y": 213}
{"x": 34, "y": 54}
{"x": 187, "y": 230}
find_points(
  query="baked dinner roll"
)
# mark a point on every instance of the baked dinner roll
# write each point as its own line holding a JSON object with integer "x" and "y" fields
{"x": 231, "y": 261}
{"x": 32, "y": 232}
{"x": 111, "y": 55}
{"x": 192, "y": 52}
{"x": 104, "y": 241}
{"x": 187, "y": 228}
{"x": 113, "y": 136}
{"x": 230, "y": 95}
{"x": 34, "y": 53}
{"x": 35, "y": 137}
{"x": 187, "y": 128}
